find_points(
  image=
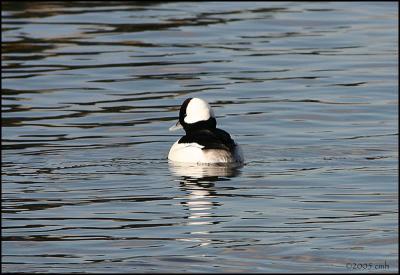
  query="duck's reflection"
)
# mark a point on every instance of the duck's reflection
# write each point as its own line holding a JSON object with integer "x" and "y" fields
{"x": 201, "y": 198}
{"x": 196, "y": 172}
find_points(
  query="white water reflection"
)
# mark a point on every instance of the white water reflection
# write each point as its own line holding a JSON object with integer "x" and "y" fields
{"x": 198, "y": 173}
{"x": 199, "y": 205}
{"x": 198, "y": 183}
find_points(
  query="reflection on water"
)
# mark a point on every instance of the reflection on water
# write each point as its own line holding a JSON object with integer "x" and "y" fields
{"x": 194, "y": 173}
{"x": 89, "y": 90}
{"x": 198, "y": 182}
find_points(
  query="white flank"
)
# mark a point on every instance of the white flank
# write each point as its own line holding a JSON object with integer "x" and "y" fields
{"x": 193, "y": 153}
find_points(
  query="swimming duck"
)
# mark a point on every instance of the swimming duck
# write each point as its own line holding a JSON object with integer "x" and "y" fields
{"x": 203, "y": 142}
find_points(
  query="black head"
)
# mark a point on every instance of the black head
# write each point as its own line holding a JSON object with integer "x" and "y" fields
{"x": 195, "y": 114}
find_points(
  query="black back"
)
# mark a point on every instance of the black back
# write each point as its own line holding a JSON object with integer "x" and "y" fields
{"x": 210, "y": 139}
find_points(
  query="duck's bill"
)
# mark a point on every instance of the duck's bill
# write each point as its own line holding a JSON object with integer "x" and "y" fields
{"x": 175, "y": 127}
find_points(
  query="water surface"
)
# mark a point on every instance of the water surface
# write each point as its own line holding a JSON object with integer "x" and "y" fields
{"x": 308, "y": 89}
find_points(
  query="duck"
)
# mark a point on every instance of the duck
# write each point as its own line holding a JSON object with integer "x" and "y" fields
{"x": 203, "y": 142}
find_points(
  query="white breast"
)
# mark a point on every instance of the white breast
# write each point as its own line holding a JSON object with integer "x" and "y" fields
{"x": 193, "y": 153}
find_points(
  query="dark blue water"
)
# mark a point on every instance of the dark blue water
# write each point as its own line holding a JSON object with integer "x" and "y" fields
{"x": 308, "y": 89}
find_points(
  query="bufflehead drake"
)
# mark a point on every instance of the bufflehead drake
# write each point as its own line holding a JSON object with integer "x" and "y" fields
{"x": 203, "y": 142}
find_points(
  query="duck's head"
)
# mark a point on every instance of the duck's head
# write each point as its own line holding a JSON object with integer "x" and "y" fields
{"x": 195, "y": 113}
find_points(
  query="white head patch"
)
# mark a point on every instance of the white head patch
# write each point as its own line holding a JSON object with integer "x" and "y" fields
{"x": 198, "y": 110}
